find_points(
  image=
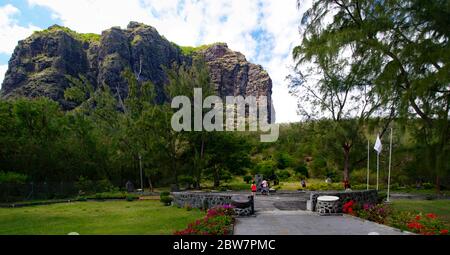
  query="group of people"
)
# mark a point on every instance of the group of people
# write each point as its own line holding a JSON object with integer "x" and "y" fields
{"x": 265, "y": 186}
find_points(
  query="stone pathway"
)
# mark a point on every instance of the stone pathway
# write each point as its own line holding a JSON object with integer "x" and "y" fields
{"x": 284, "y": 214}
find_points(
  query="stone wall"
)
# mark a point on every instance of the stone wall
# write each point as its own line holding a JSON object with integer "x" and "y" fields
{"x": 209, "y": 200}
{"x": 359, "y": 196}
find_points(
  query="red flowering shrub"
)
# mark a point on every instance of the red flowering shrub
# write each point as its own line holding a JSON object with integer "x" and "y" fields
{"x": 349, "y": 207}
{"x": 428, "y": 225}
{"x": 216, "y": 222}
{"x": 384, "y": 214}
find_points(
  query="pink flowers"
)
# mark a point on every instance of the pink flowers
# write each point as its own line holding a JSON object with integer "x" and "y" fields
{"x": 367, "y": 206}
{"x": 377, "y": 213}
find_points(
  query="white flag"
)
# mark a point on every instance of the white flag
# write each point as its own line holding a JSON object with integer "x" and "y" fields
{"x": 378, "y": 145}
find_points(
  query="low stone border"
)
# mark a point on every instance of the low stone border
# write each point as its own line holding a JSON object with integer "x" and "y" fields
{"x": 16, "y": 205}
{"x": 59, "y": 201}
{"x": 207, "y": 200}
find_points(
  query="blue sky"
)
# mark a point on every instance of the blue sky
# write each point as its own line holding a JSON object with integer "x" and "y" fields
{"x": 265, "y": 31}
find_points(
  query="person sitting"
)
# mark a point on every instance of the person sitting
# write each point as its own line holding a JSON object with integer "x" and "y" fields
{"x": 303, "y": 183}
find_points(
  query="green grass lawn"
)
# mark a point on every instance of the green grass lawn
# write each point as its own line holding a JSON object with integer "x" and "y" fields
{"x": 439, "y": 207}
{"x": 109, "y": 217}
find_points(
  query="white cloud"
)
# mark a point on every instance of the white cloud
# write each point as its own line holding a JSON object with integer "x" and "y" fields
{"x": 94, "y": 16}
{"x": 281, "y": 20}
{"x": 3, "y": 69}
{"x": 10, "y": 31}
{"x": 192, "y": 22}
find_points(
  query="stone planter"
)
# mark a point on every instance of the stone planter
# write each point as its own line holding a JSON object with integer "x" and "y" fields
{"x": 327, "y": 205}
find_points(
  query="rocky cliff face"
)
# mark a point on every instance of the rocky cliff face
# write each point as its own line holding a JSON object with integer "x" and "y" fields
{"x": 40, "y": 63}
{"x": 233, "y": 75}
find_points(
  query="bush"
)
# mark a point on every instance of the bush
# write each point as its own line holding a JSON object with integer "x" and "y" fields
{"x": 85, "y": 185}
{"x": 104, "y": 186}
{"x": 186, "y": 180}
{"x": 359, "y": 176}
{"x": 395, "y": 186}
{"x": 302, "y": 170}
{"x": 428, "y": 185}
{"x": 284, "y": 160}
{"x": 318, "y": 167}
{"x": 333, "y": 175}
{"x": 131, "y": 197}
{"x": 325, "y": 186}
{"x": 381, "y": 196}
{"x": 427, "y": 225}
{"x": 283, "y": 174}
{"x": 400, "y": 219}
{"x": 266, "y": 168}
{"x": 376, "y": 213}
{"x": 225, "y": 176}
{"x": 247, "y": 179}
{"x": 82, "y": 199}
{"x": 164, "y": 194}
{"x": 109, "y": 195}
{"x": 223, "y": 188}
{"x": 12, "y": 177}
{"x": 166, "y": 200}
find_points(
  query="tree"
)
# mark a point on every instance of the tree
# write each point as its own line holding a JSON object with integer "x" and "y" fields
{"x": 182, "y": 81}
{"x": 227, "y": 153}
{"x": 334, "y": 88}
{"x": 403, "y": 48}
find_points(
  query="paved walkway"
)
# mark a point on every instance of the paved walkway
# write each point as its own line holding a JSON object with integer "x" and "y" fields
{"x": 285, "y": 215}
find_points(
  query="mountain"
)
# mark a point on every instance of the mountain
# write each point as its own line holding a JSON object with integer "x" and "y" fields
{"x": 41, "y": 62}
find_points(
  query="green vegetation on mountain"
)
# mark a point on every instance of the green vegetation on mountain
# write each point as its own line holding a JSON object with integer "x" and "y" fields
{"x": 190, "y": 50}
{"x": 84, "y": 37}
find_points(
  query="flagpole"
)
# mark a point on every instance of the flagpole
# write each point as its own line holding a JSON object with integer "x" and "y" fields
{"x": 378, "y": 148}
{"x": 378, "y": 167}
{"x": 389, "y": 171}
{"x": 368, "y": 163}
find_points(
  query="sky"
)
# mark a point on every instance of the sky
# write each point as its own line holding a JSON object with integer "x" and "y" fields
{"x": 265, "y": 31}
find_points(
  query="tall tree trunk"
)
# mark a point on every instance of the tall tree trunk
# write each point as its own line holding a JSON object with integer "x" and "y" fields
{"x": 438, "y": 184}
{"x": 175, "y": 172}
{"x": 346, "y": 148}
{"x": 150, "y": 184}
{"x": 216, "y": 177}
{"x": 202, "y": 150}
